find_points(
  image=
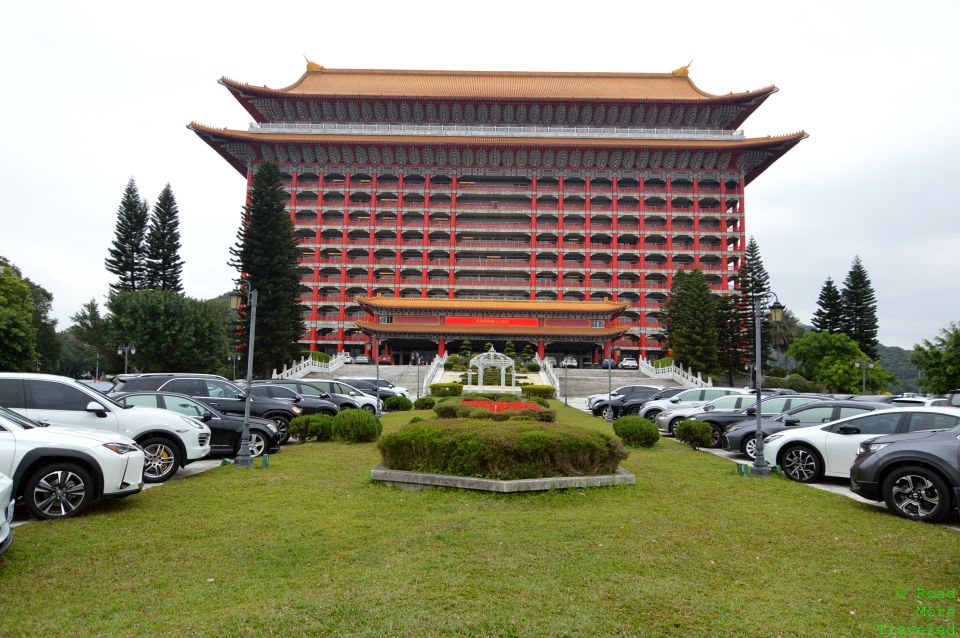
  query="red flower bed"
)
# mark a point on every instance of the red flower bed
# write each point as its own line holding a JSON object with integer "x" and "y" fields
{"x": 500, "y": 406}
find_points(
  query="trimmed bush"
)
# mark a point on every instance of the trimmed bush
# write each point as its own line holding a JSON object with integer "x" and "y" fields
{"x": 463, "y": 411}
{"x": 540, "y": 402}
{"x": 505, "y": 451}
{"x": 446, "y": 389}
{"x": 312, "y": 426}
{"x": 636, "y": 431}
{"x": 480, "y": 413}
{"x": 398, "y": 404}
{"x": 424, "y": 403}
{"x": 358, "y": 426}
{"x": 696, "y": 434}
{"x": 539, "y": 391}
{"x": 300, "y": 427}
{"x": 533, "y": 367}
{"x": 415, "y": 419}
{"x": 446, "y": 410}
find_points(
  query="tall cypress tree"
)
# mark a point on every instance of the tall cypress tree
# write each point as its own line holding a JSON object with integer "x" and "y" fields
{"x": 692, "y": 322}
{"x": 829, "y": 314}
{"x": 754, "y": 284}
{"x": 266, "y": 255}
{"x": 860, "y": 309}
{"x": 163, "y": 263}
{"x": 126, "y": 256}
{"x": 731, "y": 337}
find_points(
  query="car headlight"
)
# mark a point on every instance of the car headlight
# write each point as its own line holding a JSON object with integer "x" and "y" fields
{"x": 771, "y": 438}
{"x": 272, "y": 427}
{"x": 193, "y": 422}
{"x": 121, "y": 448}
{"x": 665, "y": 414}
{"x": 296, "y": 409}
{"x": 869, "y": 448}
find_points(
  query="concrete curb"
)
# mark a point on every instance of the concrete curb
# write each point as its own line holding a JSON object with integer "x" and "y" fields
{"x": 420, "y": 480}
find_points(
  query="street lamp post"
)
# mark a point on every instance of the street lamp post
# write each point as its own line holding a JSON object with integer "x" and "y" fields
{"x": 566, "y": 381}
{"x": 234, "y": 357}
{"x": 864, "y": 364}
{"x": 760, "y": 466}
{"x": 244, "y": 459}
{"x": 417, "y": 363}
{"x": 126, "y": 350}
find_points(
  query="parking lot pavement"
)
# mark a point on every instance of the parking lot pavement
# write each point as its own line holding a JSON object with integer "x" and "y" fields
{"x": 21, "y": 517}
{"x": 827, "y": 484}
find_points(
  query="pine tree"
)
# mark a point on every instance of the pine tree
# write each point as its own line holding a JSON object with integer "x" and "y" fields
{"x": 829, "y": 314}
{"x": 754, "y": 285}
{"x": 692, "y": 322}
{"x": 127, "y": 259}
{"x": 731, "y": 338}
{"x": 163, "y": 263}
{"x": 266, "y": 256}
{"x": 860, "y": 309}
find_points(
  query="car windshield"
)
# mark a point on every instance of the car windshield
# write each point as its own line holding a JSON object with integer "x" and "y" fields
{"x": 103, "y": 397}
{"x": 18, "y": 421}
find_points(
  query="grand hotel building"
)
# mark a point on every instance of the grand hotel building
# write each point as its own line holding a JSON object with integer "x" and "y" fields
{"x": 568, "y": 194}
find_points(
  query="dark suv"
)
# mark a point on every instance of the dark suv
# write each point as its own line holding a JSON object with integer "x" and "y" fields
{"x": 216, "y": 391}
{"x": 917, "y": 473}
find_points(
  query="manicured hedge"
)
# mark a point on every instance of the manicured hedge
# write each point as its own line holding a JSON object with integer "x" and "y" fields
{"x": 398, "y": 404}
{"x": 636, "y": 431}
{"x": 446, "y": 389}
{"x": 358, "y": 426}
{"x": 312, "y": 426}
{"x": 508, "y": 450}
{"x": 696, "y": 434}
{"x": 541, "y": 391}
{"x": 424, "y": 403}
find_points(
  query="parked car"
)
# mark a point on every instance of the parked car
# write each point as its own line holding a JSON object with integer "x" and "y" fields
{"x": 917, "y": 473}
{"x": 307, "y": 391}
{"x": 550, "y": 361}
{"x": 309, "y": 405}
{"x": 689, "y": 397}
{"x": 369, "y": 387}
{"x": 322, "y": 387}
{"x": 225, "y": 396}
{"x": 169, "y": 440}
{"x": 346, "y": 357}
{"x": 569, "y": 362}
{"x": 808, "y": 454}
{"x": 383, "y": 383}
{"x": 733, "y": 406}
{"x": 59, "y": 472}
{"x": 742, "y": 436}
{"x": 953, "y": 398}
{"x": 918, "y": 402}
{"x": 361, "y": 359}
{"x": 629, "y": 363}
{"x": 600, "y": 404}
{"x": 608, "y": 364}
{"x": 99, "y": 386}
{"x": 6, "y": 512}
{"x": 623, "y": 390}
{"x": 225, "y": 429}
{"x": 720, "y": 418}
{"x": 632, "y": 405}
{"x": 385, "y": 360}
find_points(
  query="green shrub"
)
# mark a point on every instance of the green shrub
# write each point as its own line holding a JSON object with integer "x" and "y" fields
{"x": 312, "y": 426}
{"x": 541, "y": 402}
{"x": 533, "y": 367}
{"x": 424, "y": 403}
{"x": 480, "y": 413}
{"x": 540, "y": 391}
{"x": 358, "y": 426}
{"x": 322, "y": 357}
{"x": 509, "y": 450}
{"x": 696, "y": 434}
{"x": 446, "y": 410}
{"x": 446, "y": 389}
{"x": 636, "y": 431}
{"x": 415, "y": 419}
{"x": 463, "y": 411}
{"x": 300, "y": 427}
{"x": 398, "y": 403}
{"x": 666, "y": 362}
{"x": 452, "y": 362}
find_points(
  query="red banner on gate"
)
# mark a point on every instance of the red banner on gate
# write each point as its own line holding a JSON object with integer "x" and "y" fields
{"x": 491, "y": 321}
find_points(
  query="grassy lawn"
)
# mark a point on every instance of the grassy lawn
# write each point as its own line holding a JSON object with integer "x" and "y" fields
{"x": 313, "y": 547}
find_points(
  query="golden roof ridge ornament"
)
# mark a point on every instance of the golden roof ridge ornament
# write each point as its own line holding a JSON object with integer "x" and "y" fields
{"x": 312, "y": 66}
{"x": 683, "y": 71}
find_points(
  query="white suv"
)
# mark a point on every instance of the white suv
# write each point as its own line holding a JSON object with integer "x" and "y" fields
{"x": 169, "y": 439}
{"x": 59, "y": 472}
{"x": 693, "y": 397}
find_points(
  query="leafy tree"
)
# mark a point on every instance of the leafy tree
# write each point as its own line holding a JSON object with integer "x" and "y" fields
{"x": 47, "y": 341}
{"x": 266, "y": 255}
{"x": 692, "y": 322}
{"x": 896, "y": 361}
{"x": 509, "y": 349}
{"x": 465, "y": 350}
{"x": 527, "y": 353}
{"x": 731, "y": 341}
{"x": 783, "y": 332}
{"x": 829, "y": 314}
{"x": 860, "y": 309}
{"x": 939, "y": 360}
{"x": 77, "y": 359}
{"x": 754, "y": 285}
{"x": 163, "y": 264}
{"x": 172, "y": 332}
{"x": 126, "y": 256}
{"x": 829, "y": 359}
{"x": 18, "y": 335}
{"x": 92, "y": 329}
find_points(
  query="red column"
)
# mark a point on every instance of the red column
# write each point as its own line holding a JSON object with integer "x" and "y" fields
{"x": 441, "y": 347}
{"x": 540, "y": 348}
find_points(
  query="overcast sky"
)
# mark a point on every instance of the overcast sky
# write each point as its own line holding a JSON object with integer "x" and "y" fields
{"x": 97, "y": 92}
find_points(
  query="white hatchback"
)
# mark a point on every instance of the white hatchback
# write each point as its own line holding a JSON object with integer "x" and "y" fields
{"x": 59, "y": 472}
{"x": 808, "y": 453}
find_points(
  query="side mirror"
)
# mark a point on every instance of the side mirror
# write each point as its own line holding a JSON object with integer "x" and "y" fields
{"x": 849, "y": 429}
{"x": 674, "y": 399}
{"x": 751, "y": 412}
{"x": 709, "y": 407}
{"x": 791, "y": 420}
{"x": 297, "y": 399}
{"x": 243, "y": 397}
{"x": 207, "y": 415}
{"x": 353, "y": 393}
{"x": 97, "y": 409}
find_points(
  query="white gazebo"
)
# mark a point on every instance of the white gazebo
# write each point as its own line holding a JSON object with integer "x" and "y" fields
{"x": 492, "y": 359}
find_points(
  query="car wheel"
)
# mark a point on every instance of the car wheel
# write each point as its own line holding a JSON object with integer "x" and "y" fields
{"x": 749, "y": 447}
{"x": 369, "y": 408}
{"x": 258, "y": 444}
{"x": 802, "y": 464}
{"x": 633, "y": 411}
{"x": 162, "y": 459}
{"x": 58, "y": 490}
{"x": 283, "y": 429}
{"x": 916, "y": 493}
{"x": 716, "y": 434}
